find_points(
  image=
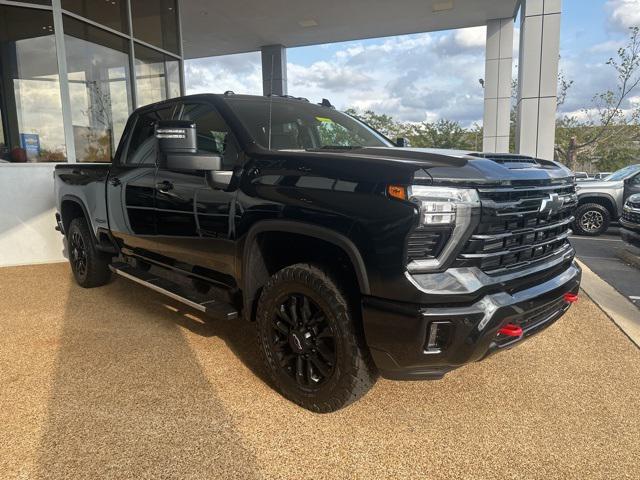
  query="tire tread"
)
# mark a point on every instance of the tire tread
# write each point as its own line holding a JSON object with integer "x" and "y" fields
{"x": 361, "y": 373}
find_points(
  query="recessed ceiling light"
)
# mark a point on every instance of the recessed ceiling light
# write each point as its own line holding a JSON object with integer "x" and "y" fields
{"x": 443, "y": 6}
{"x": 308, "y": 23}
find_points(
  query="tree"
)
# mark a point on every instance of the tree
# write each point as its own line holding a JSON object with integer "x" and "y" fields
{"x": 607, "y": 130}
{"x": 440, "y": 134}
{"x": 383, "y": 123}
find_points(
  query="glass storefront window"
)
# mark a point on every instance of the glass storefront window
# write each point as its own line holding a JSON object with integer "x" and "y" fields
{"x": 111, "y": 13}
{"x": 99, "y": 86}
{"x": 29, "y": 87}
{"x": 156, "y": 22}
{"x": 157, "y": 76}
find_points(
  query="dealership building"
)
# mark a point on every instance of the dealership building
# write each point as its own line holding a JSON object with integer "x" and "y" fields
{"x": 71, "y": 71}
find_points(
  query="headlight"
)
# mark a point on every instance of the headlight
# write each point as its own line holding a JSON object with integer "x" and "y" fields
{"x": 442, "y": 206}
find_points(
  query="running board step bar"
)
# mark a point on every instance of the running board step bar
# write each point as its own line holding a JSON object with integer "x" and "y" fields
{"x": 213, "y": 308}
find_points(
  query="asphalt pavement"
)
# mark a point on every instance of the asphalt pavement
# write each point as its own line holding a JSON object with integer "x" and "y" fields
{"x": 599, "y": 254}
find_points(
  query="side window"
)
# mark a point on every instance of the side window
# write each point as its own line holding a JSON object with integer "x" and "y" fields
{"x": 635, "y": 180}
{"x": 214, "y": 135}
{"x": 142, "y": 148}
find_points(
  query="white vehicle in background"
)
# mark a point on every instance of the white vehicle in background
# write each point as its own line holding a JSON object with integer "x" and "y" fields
{"x": 601, "y": 175}
{"x": 600, "y": 201}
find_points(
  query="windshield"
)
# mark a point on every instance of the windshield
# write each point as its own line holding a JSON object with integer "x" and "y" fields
{"x": 623, "y": 173}
{"x": 300, "y": 125}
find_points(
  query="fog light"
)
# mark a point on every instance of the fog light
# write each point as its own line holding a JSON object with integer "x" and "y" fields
{"x": 438, "y": 337}
{"x": 571, "y": 297}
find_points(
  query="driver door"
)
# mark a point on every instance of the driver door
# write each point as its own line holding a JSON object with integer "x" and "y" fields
{"x": 193, "y": 212}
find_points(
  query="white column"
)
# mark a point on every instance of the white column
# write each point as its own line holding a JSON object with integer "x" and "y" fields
{"x": 274, "y": 70}
{"x": 497, "y": 85}
{"x": 538, "y": 77}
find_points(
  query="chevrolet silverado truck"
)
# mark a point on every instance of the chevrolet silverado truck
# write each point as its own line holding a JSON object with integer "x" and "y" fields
{"x": 353, "y": 257}
{"x": 601, "y": 202}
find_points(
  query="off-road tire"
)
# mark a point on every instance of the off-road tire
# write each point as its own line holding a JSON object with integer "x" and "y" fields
{"x": 353, "y": 373}
{"x": 96, "y": 271}
{"x": 601, "y": 215}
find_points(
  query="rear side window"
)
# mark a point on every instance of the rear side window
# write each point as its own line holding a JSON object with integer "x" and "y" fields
{"x": 142, "y": 148}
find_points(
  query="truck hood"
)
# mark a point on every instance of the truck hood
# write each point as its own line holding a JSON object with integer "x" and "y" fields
{"x": 599, "y": 186}
{"x": 435, "y": 166}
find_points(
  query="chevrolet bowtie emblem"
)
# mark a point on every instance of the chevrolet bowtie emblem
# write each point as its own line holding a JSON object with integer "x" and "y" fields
{"x": 551, "y": 204}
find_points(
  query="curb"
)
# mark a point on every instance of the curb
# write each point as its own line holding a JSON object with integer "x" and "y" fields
{"x": 620, "y": 310}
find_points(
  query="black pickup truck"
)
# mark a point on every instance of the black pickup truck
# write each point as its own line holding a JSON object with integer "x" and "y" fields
{"x": 353, "y": 256}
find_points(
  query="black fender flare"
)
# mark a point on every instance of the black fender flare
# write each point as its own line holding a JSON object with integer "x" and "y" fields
{"x": 78, "y": 201}
{"x": 585, "y": 198}
{"x": 309, "y": 230}
{"x": 99, "y": 245}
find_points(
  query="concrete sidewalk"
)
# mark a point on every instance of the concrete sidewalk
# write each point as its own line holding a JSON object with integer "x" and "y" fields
{"x": 118, "y": 382}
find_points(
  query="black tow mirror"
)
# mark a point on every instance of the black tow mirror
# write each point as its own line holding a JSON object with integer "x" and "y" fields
{"x": 402, "y": 142}
{"x": 176, "y": 136}
{"x": 178, "y": 147}
{"x": 193, "y": 162}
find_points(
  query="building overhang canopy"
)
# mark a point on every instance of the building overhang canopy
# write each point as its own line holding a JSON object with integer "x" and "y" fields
{"x": 212, "y": 28}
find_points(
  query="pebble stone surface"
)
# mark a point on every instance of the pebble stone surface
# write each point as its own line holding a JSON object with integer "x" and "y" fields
{"x": 120, "y": 382}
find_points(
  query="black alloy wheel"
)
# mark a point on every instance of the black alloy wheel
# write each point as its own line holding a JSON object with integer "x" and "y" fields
{"x": 310, "y": 337}
{"x": 89, "y": 265}
{"x": 78, "y": 254}
{"x": 302, "y": 341}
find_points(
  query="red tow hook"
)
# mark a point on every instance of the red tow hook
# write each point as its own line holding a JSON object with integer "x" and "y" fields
{"x": 571, "y": 297}
{"x": 511, "y": 330}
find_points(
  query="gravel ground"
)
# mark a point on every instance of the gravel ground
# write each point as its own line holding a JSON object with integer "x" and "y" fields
{"x": 116, "y": 382}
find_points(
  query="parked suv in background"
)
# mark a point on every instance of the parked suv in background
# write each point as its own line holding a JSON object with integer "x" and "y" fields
{"x": 630, "y": 221}
{"x": 601, "y": 202}
{"x": 353, "y": 257}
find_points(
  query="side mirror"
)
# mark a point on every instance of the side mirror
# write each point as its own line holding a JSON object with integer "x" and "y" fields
{"x": 193, "y": 162}
{"x": 178, "y": 147}
{"x": 402, "y": 142}
{"x": 176, "y": 136}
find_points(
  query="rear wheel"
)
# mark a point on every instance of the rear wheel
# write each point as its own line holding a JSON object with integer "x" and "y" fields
{"x": 90, "y": 267}
{"x": 592, "y": 219}
{"x": 309, "y": 338}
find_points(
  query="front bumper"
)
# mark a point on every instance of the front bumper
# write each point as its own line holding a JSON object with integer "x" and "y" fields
{"x": 397, "y": 333}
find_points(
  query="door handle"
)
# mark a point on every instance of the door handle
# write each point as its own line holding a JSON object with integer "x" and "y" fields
{"x": 115, "y": 181}
{"x": 164, "y": 187}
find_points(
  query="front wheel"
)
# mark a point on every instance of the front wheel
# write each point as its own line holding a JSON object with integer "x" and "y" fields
{"x": 592, "y": 220}
{"x": 310, "y": 340}
{"x": 90, "y": 266}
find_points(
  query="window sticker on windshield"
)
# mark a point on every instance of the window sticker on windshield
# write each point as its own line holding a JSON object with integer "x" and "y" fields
{"x": 324, "y": 119}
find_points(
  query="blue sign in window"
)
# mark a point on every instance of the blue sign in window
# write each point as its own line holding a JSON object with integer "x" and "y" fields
{"x": 31, "y": 144}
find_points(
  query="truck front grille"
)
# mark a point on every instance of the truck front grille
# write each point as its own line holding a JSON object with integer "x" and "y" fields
{"x": 519, "y": 227}
{"x": 632, "y": 217}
